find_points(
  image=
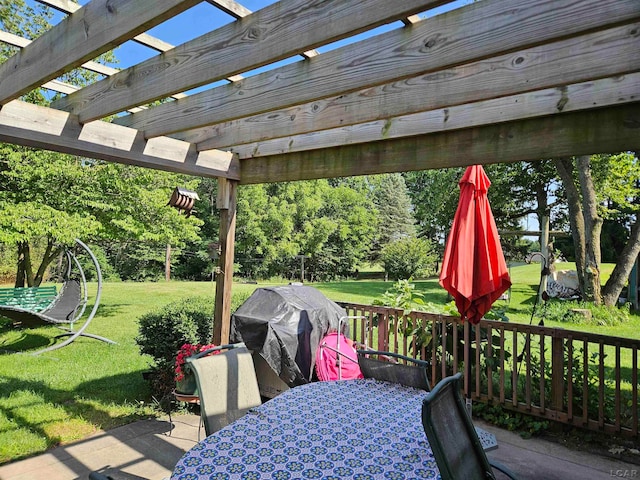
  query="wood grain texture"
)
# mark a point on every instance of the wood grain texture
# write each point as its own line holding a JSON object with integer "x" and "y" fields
{"x": 40, "y": 127}
{"x": 90, "y": 31}
{"x": 231, "y": 7}
{"x": 66, "y": 6}
{"x": 17, "y": 41}
{"x": 597, "y": 55}
{"x": 145, "y": 39}
{"x": 477, "y": 31}
{"x": 551, "y": 101}
{"x": 606, "y": 130}
{"x": 268, "y": 35}
{"x": 224, "y": 278}
{"x": 56, "y": 85}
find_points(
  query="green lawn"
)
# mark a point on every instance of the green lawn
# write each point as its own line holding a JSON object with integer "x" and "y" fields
{"x": 68, "y": 394}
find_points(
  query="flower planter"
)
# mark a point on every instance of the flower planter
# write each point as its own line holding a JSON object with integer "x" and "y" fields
{"x": 187, "y": 385}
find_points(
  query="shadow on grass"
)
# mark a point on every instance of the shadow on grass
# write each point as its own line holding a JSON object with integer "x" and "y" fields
{"x": 15, "y": 339}
{"x": 26, "y": 341}
{"x": 110, "y": 310}
{"x": 23, "y": 401}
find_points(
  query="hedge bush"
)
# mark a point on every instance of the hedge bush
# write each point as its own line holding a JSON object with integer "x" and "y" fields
{"x": 163, "y": 332}
{"x": 408, "y": 257}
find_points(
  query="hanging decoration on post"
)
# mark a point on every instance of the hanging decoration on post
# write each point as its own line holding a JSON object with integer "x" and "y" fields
{"x": 215, "y": 250}
{"x": 183, "y": 200}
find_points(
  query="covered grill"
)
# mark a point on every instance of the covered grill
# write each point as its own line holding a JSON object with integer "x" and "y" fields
{"x": 284, "y": 325}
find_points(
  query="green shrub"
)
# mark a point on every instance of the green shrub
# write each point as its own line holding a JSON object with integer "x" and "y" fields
{"x": 163, "y": 332}
{"x": 525, "y": 425}
{"x": 408, "y": 257}
{"x": 567, "y": 311}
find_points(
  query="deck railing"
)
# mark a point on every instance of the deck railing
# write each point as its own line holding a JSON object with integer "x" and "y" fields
{"x": 582, "y": 379}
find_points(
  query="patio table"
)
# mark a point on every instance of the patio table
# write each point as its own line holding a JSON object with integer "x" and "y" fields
{"x": 361, "y": 429}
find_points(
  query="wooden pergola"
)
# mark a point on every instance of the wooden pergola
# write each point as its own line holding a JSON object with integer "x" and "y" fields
{"x": 492, "y": 81}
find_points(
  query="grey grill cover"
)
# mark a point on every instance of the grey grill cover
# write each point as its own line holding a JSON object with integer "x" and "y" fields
{"x": 285, "y": 325}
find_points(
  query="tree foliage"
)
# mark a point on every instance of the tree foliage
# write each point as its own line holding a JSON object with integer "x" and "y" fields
{"x": 51, "y": 198}
{"x": 394, "y": 211}
{"x": 279, "y": 223}
{"x": 434, "y": 195}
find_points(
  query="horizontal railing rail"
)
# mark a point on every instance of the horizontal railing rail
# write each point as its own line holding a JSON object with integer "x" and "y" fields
{"x": 577, "y": 378}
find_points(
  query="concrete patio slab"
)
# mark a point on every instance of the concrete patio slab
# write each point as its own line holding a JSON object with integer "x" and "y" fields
{"x": 149, "y": 449}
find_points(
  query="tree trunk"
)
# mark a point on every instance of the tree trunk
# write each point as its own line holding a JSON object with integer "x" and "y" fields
{"x": 24, "y": 274}
{"x": 167, "y": 263}
{"x": 624, "y": 265}
{"x": 49, "y": 254}
{"x": 576, "y": 218}
{"x": 20, "y": 268}
{"x": 593, "y": 228}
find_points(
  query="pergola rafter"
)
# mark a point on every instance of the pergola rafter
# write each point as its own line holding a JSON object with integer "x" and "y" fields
{"x": 429, "y": 48}
{"x": 264, "y": 37}
{"x": 492, "y": 81}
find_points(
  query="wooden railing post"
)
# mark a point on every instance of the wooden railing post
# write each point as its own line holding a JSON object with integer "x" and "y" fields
{"x": 557, "y": 373}
{"x": 226, "y": 203}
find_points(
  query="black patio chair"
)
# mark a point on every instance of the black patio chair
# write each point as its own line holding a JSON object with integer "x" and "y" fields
{"x": 113, "y": 474}
{"x": 227, "y": 384}
{"x": 452, "y": 436}
{"x": 383, "y": 366}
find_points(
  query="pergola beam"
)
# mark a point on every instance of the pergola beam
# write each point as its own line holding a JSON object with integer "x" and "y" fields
{"x": 552, "y": 101}
{"x": 21, "y": 42}
{"x": 40, "y": 127}
{"x": 145, "y": 39}
{"x": 268, "y": 35}
{"x": 427, "y": 48}
{"x": 556, "y": 65}
{"x": 95, "y": 28}
{"x": 605, "y": 130}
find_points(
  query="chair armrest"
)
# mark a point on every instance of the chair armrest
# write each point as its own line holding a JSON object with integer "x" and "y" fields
{"x": 98, "y": 476}
{"x": 500, "y": 467}
{"x": 417, "y": 361}
{"x": 114, "y": 474}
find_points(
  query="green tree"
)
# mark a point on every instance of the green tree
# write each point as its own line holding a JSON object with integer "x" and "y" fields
{"x": 326, "y": 222}
{"x": 394, "y": 211}
{"x": 434, "y": 195}
{"x": 49, "y": 199}
{"x": 599, "y": 187}
{"x": 195, "y": 260}
{"x": 347, "y": 244}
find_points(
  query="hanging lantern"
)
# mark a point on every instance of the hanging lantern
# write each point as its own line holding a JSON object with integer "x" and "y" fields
{"x": 183, "y": 200}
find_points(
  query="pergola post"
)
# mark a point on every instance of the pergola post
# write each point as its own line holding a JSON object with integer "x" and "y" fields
{"x": 226, "y": 202}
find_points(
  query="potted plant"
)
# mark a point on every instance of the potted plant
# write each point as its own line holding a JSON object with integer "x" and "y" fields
{"x": 184, "y": 376}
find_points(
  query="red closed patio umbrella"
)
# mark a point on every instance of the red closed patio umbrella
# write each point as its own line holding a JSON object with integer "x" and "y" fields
{"x": 474, "y": 270}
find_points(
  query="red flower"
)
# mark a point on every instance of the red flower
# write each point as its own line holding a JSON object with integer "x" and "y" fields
{"x": 187, "y": 350}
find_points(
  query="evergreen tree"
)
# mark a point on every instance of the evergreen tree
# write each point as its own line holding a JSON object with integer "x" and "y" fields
{"x": 395, "y": 219}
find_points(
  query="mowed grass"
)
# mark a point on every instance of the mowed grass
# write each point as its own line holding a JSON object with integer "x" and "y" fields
{"x": 70, "y": 393}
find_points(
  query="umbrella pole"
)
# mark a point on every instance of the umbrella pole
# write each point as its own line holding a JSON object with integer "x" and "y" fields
{"x": 467, "y": 367}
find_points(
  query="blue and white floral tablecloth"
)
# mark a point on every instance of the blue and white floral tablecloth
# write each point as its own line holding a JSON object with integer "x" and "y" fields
{"x": 360, "y": 429}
